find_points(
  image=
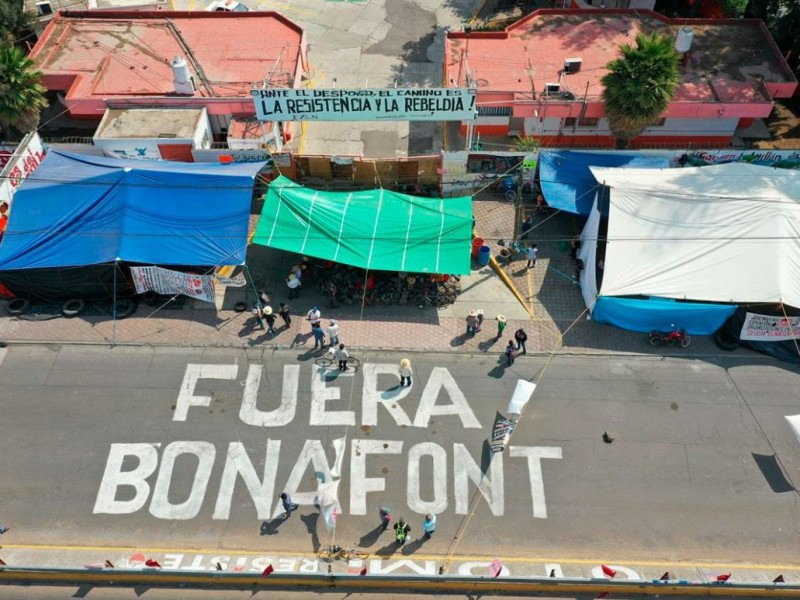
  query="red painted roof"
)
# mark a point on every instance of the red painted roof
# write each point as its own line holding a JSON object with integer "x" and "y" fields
{"x": 727, "y": 59}
{"x": 101, "y": 55}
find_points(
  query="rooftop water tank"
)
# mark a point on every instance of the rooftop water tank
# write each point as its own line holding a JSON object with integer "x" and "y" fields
{"x": 181, "y": 77}
{"x": 683, "y": 41}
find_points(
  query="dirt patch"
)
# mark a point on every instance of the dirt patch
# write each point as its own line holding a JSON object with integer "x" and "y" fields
{"x": 784, "y": 126}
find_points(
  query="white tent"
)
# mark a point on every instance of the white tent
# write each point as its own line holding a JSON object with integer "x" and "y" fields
{"x": 722, "y": 233}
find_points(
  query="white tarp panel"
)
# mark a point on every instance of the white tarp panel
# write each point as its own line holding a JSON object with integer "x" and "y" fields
{"x": 588, "y": 254}
{"x": 722, "y": 233}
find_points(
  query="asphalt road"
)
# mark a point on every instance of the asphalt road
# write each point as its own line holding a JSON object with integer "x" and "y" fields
{"x": 701, "y": 467}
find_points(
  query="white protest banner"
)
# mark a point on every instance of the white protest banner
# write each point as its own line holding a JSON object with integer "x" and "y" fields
{"x": 18, "y": 166}
{"x": 770, "y": 328}
{"x": 391, "y": 104}
{"x": 168, "y": 283}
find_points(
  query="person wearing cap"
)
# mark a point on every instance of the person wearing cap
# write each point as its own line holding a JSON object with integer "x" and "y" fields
{"x": 405, "y": 372}
{"x": 293, "y": 283}
{"x": 341, "y": 357}
{"x": 501, "y": 324}
{"x": 333, "y": 333}
{"x": 472, "y": 322}
{"x": 269, "y": 317}
{"x": 479, "y": 319}
{"x": 314, "y": 316}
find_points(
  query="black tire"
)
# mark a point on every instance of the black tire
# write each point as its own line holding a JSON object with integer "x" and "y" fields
{"x": 725, "y": 340}
{"x": 72, "y": 308}
{"x": 655, "y": 340}
{"x": 17, "y": 306}
{"x": 687, "y": 339}
{"x": 324, "y": 362}
{"x": 240, "y": 307}
{"x": 125, "y": 308}
{"x": 150, "y": 298}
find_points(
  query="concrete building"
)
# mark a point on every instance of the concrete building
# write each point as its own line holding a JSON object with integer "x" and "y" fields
{"x": 103, "y": 60}
{"x": 541, "y": 76}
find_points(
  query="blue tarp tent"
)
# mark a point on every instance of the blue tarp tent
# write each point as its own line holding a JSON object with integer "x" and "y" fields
{"x": 78, "y": 210}
{"x": 568, "y": 184}
{"x": 647, "y": 314}
{"x": 78, "y": 219}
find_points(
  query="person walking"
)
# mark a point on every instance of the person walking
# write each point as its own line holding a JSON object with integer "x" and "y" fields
{"x": 521, "y": 337}
{"x": 258, "y": 313}
{"x": 386, "y": 517}
{"x": 429, "y": 525}
{"x": 288, "y": 505}
{"x": 405, "y": 372}
{"x": 3, "y": 529}
{"x": 533, "y": 254}
{"x": 525, "y": 228}
{"x": 269, "y": 317}
{"x": 401, "y": 529}
{"x": 333, "y": 333}
{"x": 319, "y": 335}
{"x": 285, "y": 313}
{"x": 341, "y": 356}
{"x": 314, "y": 316}
{"x": 510, "y": 353}
{"x": 472, "y": 322}
{"x": 479, "y": 320}
{"x": 332, "y": 290}
{"x": 501, "y": 325}
{"x": 293, "y": 283}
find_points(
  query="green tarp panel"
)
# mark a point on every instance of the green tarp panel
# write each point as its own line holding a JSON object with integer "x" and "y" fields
{"x": 372, "y": 229}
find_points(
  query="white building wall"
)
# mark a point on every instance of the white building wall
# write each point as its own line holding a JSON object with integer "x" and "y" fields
{"x": 203, "y": 135}
{"x": 137, "y": 148}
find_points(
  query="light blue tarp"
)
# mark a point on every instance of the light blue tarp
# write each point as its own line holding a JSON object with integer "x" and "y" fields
{"x": 636, "y": 314}
{"x": 568, "y": 184}
{"x": 78, "y": 210}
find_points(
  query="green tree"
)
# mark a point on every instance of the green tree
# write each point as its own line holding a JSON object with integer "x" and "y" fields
{"x": 22, "y": 96}
{"x": 526, "y": 144}
{"x": 640, "y": 85}
{"x": 782, "y": 18}
{"x": 14, "y": 20}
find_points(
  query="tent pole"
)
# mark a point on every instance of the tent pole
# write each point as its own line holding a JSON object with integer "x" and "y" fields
{"x": 255, "y": 291}
{"x": 114, "y": 306}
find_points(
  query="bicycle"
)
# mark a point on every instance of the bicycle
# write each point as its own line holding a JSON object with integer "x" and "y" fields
{"x": 335, "y": 552}
{"x": 327, "y": 361}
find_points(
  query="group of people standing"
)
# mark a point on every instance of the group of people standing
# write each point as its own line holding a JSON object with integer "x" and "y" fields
{"x": 402, "y": 528}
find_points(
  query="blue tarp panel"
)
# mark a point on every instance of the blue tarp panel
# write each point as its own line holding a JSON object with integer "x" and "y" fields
{"x": 77, "y": 210}
{"x": 636, "y": 314}
{"x": 568, "y": 184}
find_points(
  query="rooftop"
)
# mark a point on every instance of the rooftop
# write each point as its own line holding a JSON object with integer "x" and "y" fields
{"x": 149, "y": 123}
{"x": 727, "y": 61}
{"x": 107, "y": 55}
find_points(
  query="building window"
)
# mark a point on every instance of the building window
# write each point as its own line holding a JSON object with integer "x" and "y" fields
{"x": 658, "y": 122}
{"x": 44, "y": 8}
{"x": 582, "y": 122}
{"x": 494, "y": 111}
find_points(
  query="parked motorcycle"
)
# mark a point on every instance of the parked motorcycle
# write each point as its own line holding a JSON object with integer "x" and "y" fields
{"x": 674, "y": 337}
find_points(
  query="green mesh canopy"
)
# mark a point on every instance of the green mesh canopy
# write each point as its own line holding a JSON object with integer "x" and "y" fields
{"x": 372, "y": 229}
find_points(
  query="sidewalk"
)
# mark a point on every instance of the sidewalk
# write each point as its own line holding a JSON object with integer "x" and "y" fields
{"x": 553, "y": 308}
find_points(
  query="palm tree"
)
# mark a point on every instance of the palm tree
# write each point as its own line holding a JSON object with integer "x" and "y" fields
{"x": 640, "y": 85}
{"x": 22, "y": 96}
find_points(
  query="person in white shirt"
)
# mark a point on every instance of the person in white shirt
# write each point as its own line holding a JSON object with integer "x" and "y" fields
{"x": 341, "y": 357}
{"x": 333, "y": 333}
{"x": 405, "y": 372}
{"x": 293, "y": 283}
{"x": 533, "y": 253}
{"x": 314, "y": 316}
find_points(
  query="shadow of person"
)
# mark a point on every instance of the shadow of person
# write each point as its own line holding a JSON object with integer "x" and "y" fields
{"x": 388, "y": 550}
{"x": 249, "y": 327}
{"x": 487, "y": 345}
{"x": 369, "y": 538}
{"x": 459, "y": 340}
{"x": 310, "y": 521}
{"x": 392, "y": 392}
{"x": 411, "y": 547}
{"x": 271, "y": 527}
{"x": 498, "y": 371}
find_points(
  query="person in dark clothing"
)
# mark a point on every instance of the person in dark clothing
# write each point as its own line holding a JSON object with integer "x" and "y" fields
{"x": 510, "y": 353}
{"x": 269, "y": 317}
{"x": 288, "y": 505}
{"x": 574, "y": 246}
{"x": 521, "y": 337}
{"x": 401, "y": 529}
{"x": 284, "y": 312}
{"x": 525, "y": 228}
{"x": 332, "y": 290}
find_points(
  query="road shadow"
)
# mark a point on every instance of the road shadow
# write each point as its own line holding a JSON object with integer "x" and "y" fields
{"x": 459, "y": 340}
{"x": 487, "y": 345}
{"x": 249, "y": 327}
{"x": 371, "y": 537}
{"x": 498, "y": 371}
{"x": 391, "y": 393}
{"x": 388, "y": 550}
{"x": 413, "y": 546}
{"x": 772, "y": 472}
{"x": 271, "y": 527}
{"x": 310, "y": 521}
